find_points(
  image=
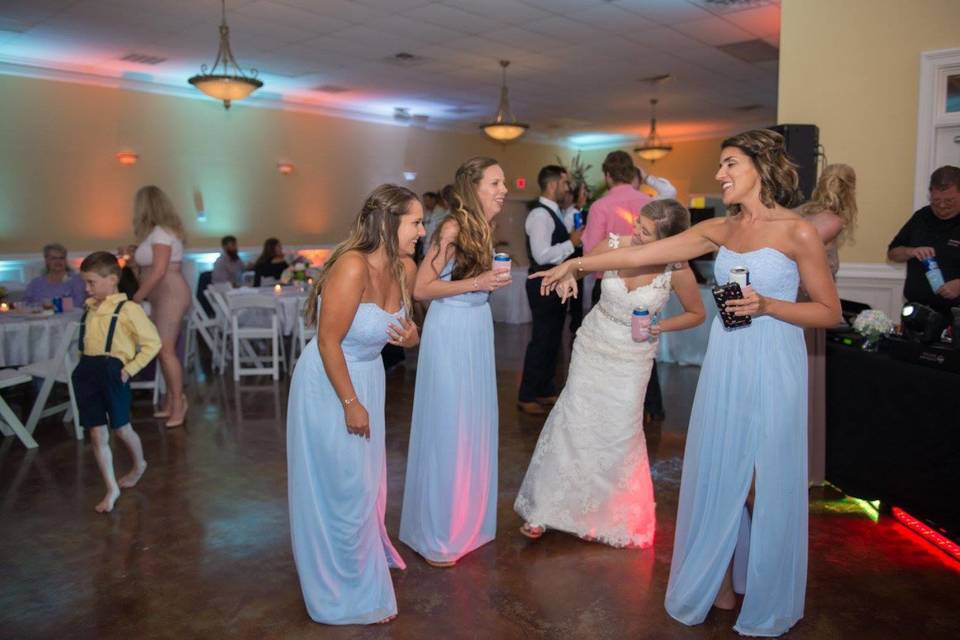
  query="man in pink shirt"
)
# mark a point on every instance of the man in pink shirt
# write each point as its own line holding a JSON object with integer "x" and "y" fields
{"x": 619, "y": 207}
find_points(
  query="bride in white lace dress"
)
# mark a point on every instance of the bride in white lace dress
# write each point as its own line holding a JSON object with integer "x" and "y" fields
{"x": 589, "y": 474}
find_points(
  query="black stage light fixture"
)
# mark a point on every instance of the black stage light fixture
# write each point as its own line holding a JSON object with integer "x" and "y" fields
{"x": 922, "y": 323}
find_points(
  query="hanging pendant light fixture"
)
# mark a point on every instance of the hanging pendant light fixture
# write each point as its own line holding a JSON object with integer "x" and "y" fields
{"x": 654, "y": 148}
{"x": 231, "y": 83}
{"x": 504, "y": 127}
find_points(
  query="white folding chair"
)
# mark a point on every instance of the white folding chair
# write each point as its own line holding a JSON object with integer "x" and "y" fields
{"x": 254, "y": 317}
{"x": 10, "y": 424}
{"x": 157, "y": 385}
{"x": 217, "y": 298}
{"x": 247, "y": 278}
{"x": 301, "y": 335}
{"x": 199, "y": 323}
{"x": 57, "y": 369}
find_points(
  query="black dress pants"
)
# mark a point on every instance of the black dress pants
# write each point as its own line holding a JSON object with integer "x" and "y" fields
{"x": 540, "y": 361}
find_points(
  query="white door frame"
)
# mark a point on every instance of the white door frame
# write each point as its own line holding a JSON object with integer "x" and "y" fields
{"x": 932, "y": 114}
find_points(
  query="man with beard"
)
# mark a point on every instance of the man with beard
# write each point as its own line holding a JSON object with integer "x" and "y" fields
{"x": 229, "y": 266}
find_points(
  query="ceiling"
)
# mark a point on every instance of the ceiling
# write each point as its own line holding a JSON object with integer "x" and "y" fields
{"x": 576, "y": 73}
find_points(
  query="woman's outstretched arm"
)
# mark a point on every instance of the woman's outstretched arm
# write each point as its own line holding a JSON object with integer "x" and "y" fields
{"x": 695, "y": 241}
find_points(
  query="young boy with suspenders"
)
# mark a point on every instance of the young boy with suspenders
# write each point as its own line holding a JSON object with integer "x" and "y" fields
{"x": 117, "y": 340}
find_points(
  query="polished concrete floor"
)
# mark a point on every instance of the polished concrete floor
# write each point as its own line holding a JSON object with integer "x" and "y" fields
{"x": 200, "y": 548}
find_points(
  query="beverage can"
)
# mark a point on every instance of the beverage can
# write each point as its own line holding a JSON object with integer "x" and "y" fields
{"x": 578, "y": 220}
{"x": 57, "y": 305}
{"x": 740, "y": 275}
{"x": 640, "y": 324}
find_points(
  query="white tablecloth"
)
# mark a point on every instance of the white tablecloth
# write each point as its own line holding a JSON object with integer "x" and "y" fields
{"x": 286, "y": 302}
{"x": 509, "y": 304}
{"x": 690, "y": 346}
{"x": 25, "y": 340}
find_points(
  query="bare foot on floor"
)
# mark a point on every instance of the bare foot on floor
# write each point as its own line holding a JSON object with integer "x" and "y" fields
{"x": 726, "y": 600}
{"x": 106, "y": 505}
{"x": 387, "y": 619}
{"x": 133, "y": 476}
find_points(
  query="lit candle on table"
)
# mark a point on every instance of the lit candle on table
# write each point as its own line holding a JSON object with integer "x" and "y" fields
{"x": 4, "y": 307}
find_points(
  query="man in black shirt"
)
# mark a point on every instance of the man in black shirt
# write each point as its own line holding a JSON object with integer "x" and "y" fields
{"x": 933, "y": 232}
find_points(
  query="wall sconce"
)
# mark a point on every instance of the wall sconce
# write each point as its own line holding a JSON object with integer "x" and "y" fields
{"x": 409, "y": 176}
{"x": 285, "y": 168}
{"x": 127, "y": 158}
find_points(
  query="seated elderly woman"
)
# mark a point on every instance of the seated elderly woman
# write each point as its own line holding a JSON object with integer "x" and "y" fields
{"x": 57, "y": 280}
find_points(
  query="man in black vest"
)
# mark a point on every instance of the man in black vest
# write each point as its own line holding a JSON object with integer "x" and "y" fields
{"x": 548, "y": 244}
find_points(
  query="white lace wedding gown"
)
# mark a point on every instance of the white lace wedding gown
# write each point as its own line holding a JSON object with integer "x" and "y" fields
{"x": 590, "y": 475}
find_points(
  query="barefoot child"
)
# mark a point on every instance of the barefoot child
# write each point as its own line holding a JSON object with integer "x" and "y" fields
{"x": 112, "y": 330}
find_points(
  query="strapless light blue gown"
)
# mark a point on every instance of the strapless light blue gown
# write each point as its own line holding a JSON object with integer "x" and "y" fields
{"x": 450, "y": 494}
{"x": 749, "y": 418}
{"x": 337, "y": 482}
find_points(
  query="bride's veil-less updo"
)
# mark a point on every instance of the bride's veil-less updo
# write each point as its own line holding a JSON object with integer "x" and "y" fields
{"x": 779, "y": 181}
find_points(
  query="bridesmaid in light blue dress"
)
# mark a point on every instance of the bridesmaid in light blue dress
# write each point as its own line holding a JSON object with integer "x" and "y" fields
{"x": 336, "y": 462}
{"x": 742, "y": 518}
{"x": 450, "y": 494}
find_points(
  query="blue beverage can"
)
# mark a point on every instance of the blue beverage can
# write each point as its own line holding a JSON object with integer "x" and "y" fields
{"x": 578, "y": 220}
{"x": 57, "y": 305}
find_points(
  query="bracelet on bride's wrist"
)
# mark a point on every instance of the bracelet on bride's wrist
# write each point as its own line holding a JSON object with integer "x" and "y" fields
{"x": 349, "y": 401}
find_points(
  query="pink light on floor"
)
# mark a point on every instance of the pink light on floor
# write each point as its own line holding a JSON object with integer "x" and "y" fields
{"x": 936, "y": 539}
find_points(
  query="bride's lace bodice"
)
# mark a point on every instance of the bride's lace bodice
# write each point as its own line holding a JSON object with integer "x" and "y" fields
{"x": 617, "y": 303}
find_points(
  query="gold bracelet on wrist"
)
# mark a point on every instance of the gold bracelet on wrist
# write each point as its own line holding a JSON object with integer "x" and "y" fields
{"x": 349, "y": 401}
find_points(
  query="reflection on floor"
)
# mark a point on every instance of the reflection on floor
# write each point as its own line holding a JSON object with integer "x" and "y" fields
{"x": 200, "y": 549}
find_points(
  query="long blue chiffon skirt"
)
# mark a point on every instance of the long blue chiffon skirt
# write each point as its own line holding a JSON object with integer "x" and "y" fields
{"x": 450, "y": 495}
{"x": 748, "y": 420}
{"x": 337, "y": 490}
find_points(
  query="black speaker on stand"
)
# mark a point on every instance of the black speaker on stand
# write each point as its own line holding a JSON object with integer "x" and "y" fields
{"x": 802, "y": 142}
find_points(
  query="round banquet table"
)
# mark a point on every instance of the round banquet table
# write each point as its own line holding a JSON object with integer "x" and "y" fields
{"x": 29, "y": 338}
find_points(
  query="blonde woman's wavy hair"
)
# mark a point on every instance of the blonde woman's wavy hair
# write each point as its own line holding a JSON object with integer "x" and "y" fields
{"x": 779, "y": 181}
{"x": 152, "y": 208}
{"x": 376, "y": 226}
{"x": 473, "y": 248}
{"x": 837, "y": 191}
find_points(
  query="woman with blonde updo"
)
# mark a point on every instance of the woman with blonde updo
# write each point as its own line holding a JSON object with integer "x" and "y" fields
{"x": 742, "y": 517}
{"x": 160, "y": 236}
{"x": 450, "y": 496}
{"x": 833, "y": 212}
